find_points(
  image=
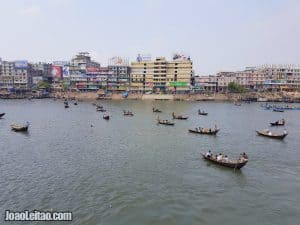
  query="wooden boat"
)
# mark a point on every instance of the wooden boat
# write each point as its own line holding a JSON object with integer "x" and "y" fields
{"x": 1, "y": 115}
{"x": 267, "y": 133}
{"x": 100, "y": 110}
{"x": 278, "y": 123}
{"x": 278, "y": 110}
{"x": 238, "y": 104}
{"x": 234, "y": 164}
{"x": 208, "y": 131}
{"x": 165, "y": 122}
{"x": 16, "y": 127}
{"x": 156, "y": 110}
{"x": 106, "y": 117}
{"x": 75, "y": 103}
{"x": 202, "y": 113}
{"x": 127, "y": 113}
{"x": 179, "y": 117}
{"x": 66, "y": 106}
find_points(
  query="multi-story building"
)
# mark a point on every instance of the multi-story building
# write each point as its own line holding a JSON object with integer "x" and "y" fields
{"x": 205, "y": 84}
{"x": 17, "y": 75}
{"x": 119, "y": 79}
{"x": 161, "y": 75}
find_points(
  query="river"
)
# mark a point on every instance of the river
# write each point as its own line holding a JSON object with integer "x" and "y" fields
{"x": 129, "y": 170}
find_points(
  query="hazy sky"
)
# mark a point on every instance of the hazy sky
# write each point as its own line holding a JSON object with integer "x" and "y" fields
{"x": 217, "y": 34}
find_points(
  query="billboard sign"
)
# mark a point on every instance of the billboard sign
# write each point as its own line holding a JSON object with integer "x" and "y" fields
{"x": 118, "y": 61}
{"x": 92, "y": 69}
{"x": 66, "y": 71}
{"x": 21, "y": 64}
{"x": 143, "y": 58}
{"x": 179, "y": 84}
{"x": 180, "y": 57}
{"x": 56, "y": 71}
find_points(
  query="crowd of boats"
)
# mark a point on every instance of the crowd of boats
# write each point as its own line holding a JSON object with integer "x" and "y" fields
{"x": 218, "y": 159}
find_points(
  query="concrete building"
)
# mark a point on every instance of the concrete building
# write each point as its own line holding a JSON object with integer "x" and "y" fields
{"x": 16, "y": 75}
{"x": 161, "y": 75}
{"x": 119, "y": 79}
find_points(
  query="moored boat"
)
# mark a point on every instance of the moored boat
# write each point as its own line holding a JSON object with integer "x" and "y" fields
{"x": 268, "y": 133}
{"x": 202, "y": 113}
{"x": 1, "y": 115}
{"x": 234, "y": 164}
{"x": 165, "y": 122}
{"x": 156, "y": 110}
{"x": 106, "y": 117}
{"x": 16, "y": 127}
{"x": 208, "y": 131}
{"x": 179, "y": 117}
{"x": 278, "y": 110}
{"x": 127, "y": 113}
{"x": 100, "y": 110}
{"x": 278, "y": 123}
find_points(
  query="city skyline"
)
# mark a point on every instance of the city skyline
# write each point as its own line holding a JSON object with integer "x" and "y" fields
{"x": 218, "y": 35}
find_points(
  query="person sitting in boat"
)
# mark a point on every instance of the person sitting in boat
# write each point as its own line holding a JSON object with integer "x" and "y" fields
{"x": 208, "y": 154}
{"x": 219, "y": 157}
{"x": 285, "y": 131}
{"x": 226, "y": 158}
{"x": 243, "y": 157}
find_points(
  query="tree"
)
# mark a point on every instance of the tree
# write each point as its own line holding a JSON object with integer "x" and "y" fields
{"x": 43, "y": 85}
{"x": 236, "y": 88}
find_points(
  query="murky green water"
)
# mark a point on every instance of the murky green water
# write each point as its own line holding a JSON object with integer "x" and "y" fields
{"x": 129, "y": 170}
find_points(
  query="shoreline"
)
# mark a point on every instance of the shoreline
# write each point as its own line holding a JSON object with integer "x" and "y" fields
{"x": 287, "y": 97}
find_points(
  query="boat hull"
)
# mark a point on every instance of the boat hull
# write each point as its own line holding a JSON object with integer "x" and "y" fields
{"x": 279, "y": 136}
{"x": 237, "y": 165}
{"x": 214, "y": 132}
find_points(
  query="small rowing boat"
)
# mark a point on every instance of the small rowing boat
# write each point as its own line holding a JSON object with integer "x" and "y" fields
{"x": 278, "y": 110}
{"x": 1, "y": 115}
{"x": 278, "y": 123}
{"x": 106, "y": 117}
{"x": 127, "y": 113}
{"x": 202, "y": 113}
{"x": 16, "y": 127}
{"x": 179, "y": 117}
{"x": 208, "y": 131}
{"x": 267, "y": 133}
{"x": 156, "y": 110}
{"x": 165, "y": 122}
{"x": 234, "y": 164}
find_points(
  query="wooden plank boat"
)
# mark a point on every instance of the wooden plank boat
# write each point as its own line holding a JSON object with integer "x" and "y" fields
{"x": 1, "y": 115}
{"x": 202, "y": 113}
{"x": 278, "y": 123}
{"x": 100, "y": 110}
{"x": 179, "y": 117}
{"x": 16, "y": 127}
{"x": 238, "y": 104}
{"x": 165, "y": 122}
{"x": 66, "y": 106}
{"x": 127, "y": 113}
{"x": 267, "y": 133}
{"x": 106, "y": 117}
{"x": 278, "y": 110}
{"x": 75, "y": 103}
{"x": 207, "y": 131}
{"x": 234, "y": 164}
{"x": 156, "y": 110}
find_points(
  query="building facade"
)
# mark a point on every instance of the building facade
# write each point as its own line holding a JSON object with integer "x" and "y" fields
{"x": 161, "y": 75}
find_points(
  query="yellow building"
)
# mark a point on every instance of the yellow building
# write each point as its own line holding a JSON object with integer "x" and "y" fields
{"x": 161, "y": 75}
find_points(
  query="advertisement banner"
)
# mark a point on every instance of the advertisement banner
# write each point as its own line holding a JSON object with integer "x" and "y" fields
{"x": 56, "y": 71}
{"x": 92, "y": 69}
{"x": 66, "y": 71}
{"x": 179, "y": 84}
{"x": 21, "y": 64}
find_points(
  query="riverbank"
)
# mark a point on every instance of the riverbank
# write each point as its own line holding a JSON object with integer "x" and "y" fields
{"x": 92, "y": 96}
{"x": 271, "y": 97}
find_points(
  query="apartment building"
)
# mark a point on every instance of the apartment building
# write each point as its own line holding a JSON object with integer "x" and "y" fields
{"x": 161, "y": 75}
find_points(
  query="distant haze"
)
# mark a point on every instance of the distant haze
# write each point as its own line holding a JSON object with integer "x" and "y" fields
{"x": 217, "y": 34}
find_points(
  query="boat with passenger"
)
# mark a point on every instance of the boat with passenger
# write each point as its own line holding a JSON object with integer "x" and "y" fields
{"x": 202, "y": 130}
{"x": 179, "y": 117}
{"x": 156, "y": 110}
{"x": 127, "y": 113}
{"x": 17, "y": 127}
{"x": 203, "y": 113}
{"x": 278, "y": 123}
{"x": 165, "y": 122}
{"x": 222, "y": 160}
{"x": 268, "y": 133}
